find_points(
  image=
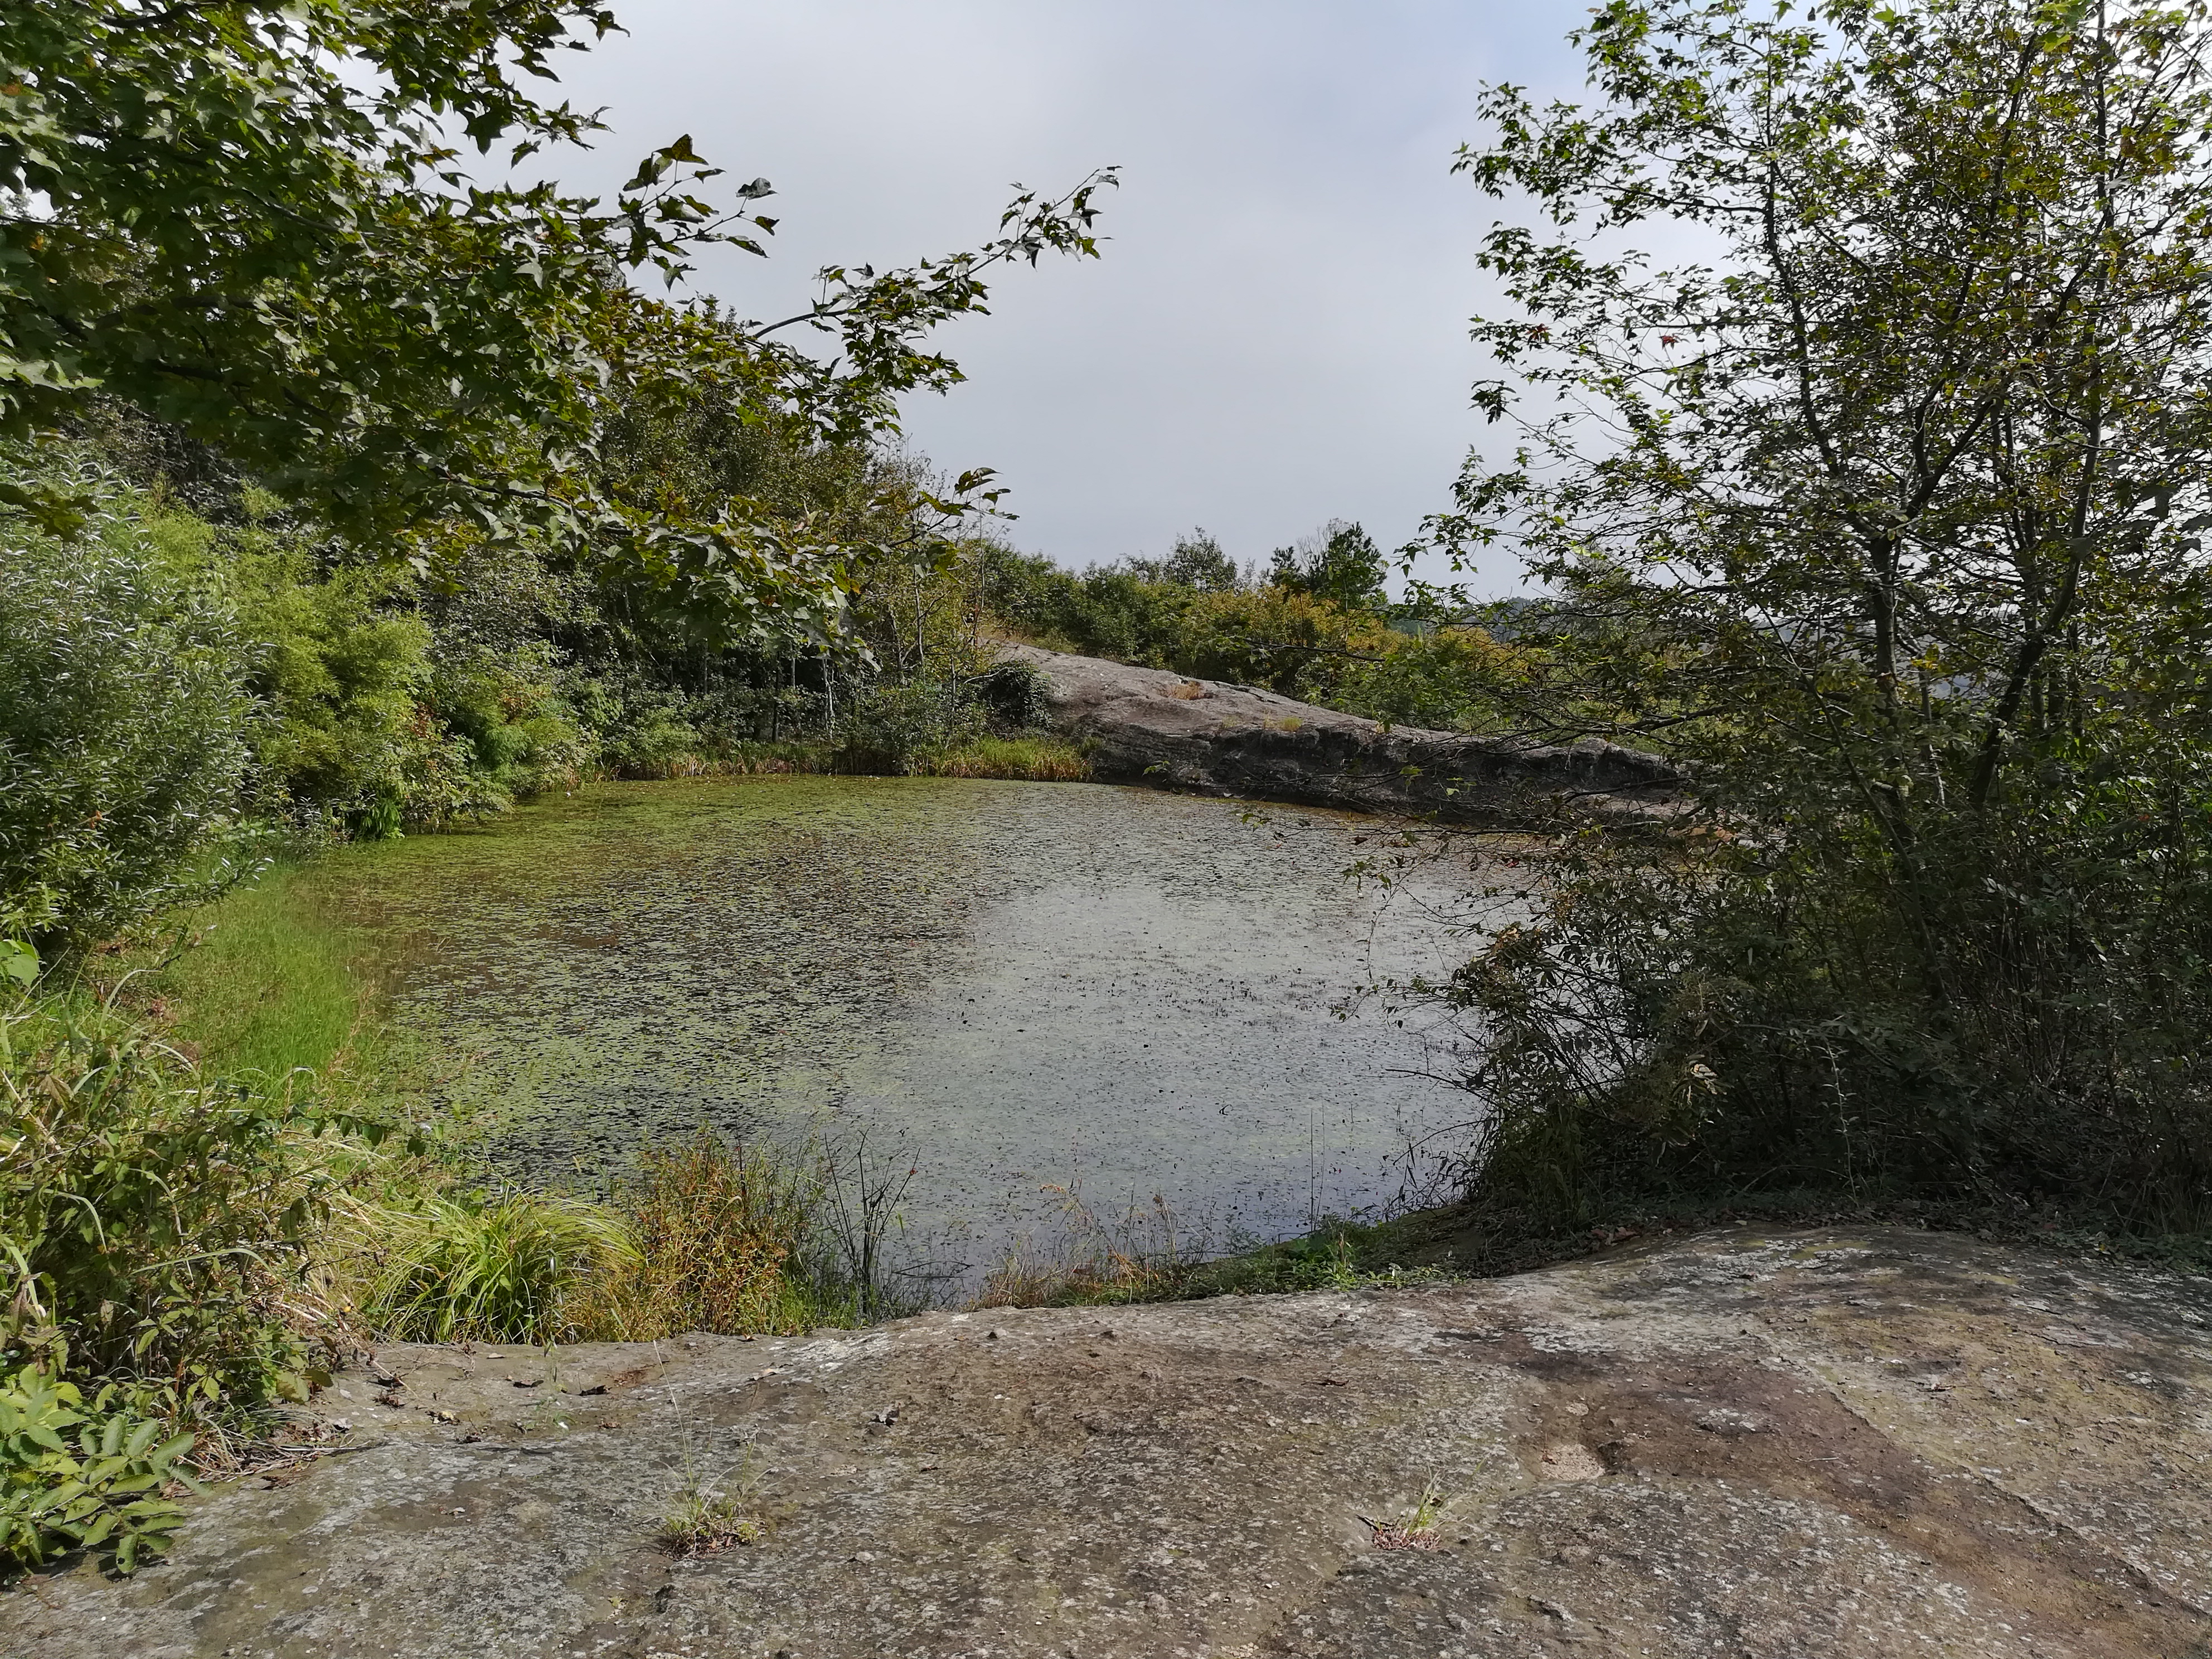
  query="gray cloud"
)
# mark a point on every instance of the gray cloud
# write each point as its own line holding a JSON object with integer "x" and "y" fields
{"x": 1276, "y": 335}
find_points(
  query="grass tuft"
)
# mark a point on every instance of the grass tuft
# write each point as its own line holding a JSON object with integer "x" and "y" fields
{"x": 1417, "y": 1530}
{"x": 506, "y": 1269}
{"x": 709, "y": 1516}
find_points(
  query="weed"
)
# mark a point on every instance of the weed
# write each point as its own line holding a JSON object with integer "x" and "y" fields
{"x": 711, "y": 1515}
{"x": 719, "y": 1234}
{"x": 156, "y": 1225}
{"x": 1133, "y": 1260}
{"x": 1417, "y": 1530}
{"x": 1338, "y": 1256}
{"x": 104, "y": 1488}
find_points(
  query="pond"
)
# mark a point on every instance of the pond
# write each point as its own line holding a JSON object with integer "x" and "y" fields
{"x": 1023, "y": 991}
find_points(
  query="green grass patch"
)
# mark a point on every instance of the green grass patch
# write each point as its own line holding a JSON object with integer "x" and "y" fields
{"x": 1036, "y": 759}
{"x": 266, "y": 984}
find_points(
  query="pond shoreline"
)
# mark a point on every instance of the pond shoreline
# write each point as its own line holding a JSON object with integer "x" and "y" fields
{"x": 1051, "y": 997}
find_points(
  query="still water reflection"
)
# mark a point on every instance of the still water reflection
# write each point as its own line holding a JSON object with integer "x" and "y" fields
{"x": 1015, "y": 987}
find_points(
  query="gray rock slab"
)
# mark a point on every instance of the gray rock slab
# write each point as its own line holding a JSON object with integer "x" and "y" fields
{"x": 1824, "y": 1444}
{"x": 1150, "y": 726}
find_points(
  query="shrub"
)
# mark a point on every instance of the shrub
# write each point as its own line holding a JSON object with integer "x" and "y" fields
{"x": 123, "y": 718}
{"x": 1453, "y": 678}
{"x": 2012, "y": 1015}
{"x": 909, "y": 727}
{"x": 522, "y": 736}
{"x": 156, "y": 1224}
{"x": 340, "y": 673}
{"x": 103, "y": 1488}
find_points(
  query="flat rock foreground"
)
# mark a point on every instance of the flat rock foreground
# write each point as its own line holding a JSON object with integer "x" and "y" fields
{"x": 1815, "y": 1443}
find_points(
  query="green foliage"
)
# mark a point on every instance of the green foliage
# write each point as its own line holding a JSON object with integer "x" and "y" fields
{"x": 910, "y": 726}
{"x": 1196, "y": 561}
{"x": 251, "y": 221}
{"x": 341, "y": 674}
{"x": 156, "y": 1225}
{"x": 1452, "y": 678}
{"x": 231, "y": 225}
{"x": 520, "y": 731}
{"x": 102, "y": 1487}
{"x": 123, "y": 717}
{"x": 1313, "y": 646}
{"x": 1894, "y": 535}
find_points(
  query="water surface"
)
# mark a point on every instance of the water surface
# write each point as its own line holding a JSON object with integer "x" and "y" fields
{"x": 1016, "y": 987}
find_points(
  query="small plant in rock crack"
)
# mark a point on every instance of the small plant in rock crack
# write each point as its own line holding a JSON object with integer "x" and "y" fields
{"x": 1418, "y": 1530}
{"x": 709, "y": 1515}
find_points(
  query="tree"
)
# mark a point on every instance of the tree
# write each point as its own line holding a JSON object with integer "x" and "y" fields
{"x": 1198, "y": 562}
{"x": 1339, "y": 563}
{"x": 252, "y": 219}
{"x": 1886, "y": 517}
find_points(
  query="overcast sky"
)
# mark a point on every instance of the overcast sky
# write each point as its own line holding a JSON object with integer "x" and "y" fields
{"x": 1277, "y": 333}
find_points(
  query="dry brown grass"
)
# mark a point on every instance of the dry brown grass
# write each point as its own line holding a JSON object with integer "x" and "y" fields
{"x": 718, "y": 1229}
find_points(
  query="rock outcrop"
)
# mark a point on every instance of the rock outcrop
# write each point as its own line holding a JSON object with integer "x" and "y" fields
{"x": 1149, "y": 726}
{"x": 1816, "y": 1445}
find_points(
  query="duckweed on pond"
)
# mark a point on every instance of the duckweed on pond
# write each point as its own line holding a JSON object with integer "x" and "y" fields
{"x": 1020, "y": 987}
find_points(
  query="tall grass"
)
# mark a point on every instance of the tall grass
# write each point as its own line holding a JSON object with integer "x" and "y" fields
{"x": 1093, "y": 1259}
{"x": 708, "y": 1236}
{"x": 1036, "y": 760}
{"x": 508, "y": 1269}
{"x": 724, "y": 1238}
